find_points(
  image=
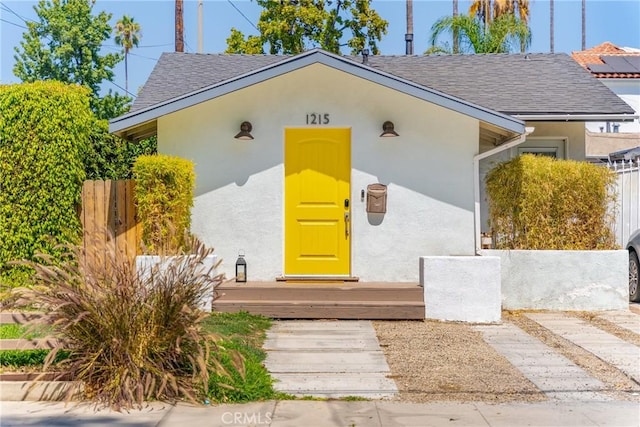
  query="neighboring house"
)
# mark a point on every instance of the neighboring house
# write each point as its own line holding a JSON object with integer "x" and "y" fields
{"x": 618, "y": 68}
{"x": 295, "y": 198}
{"x": 603, "y": 147}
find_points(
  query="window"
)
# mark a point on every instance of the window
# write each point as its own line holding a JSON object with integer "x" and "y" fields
{"x": 540, "y": 151}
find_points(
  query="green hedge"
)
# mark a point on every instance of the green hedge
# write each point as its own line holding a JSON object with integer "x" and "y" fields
{"x": 44, "y": 135}
{"x": 538, "y": 202}
{"x": 164, "y": 196}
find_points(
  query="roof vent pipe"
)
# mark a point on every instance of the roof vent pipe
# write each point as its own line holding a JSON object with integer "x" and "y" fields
{"x": 365, "y": 56}
{"x": 408, "y": 38}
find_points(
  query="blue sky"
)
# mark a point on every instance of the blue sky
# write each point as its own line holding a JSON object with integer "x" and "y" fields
{"x": 617, "y": 21}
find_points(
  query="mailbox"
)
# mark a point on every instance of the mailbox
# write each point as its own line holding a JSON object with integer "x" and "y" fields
{"x": 376, "y": 198}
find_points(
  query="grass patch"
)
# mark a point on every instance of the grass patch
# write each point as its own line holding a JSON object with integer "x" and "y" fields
{"x": 242, "y": 333}
{"x": 10, "y": 331}
{"x": 31, "y": 358}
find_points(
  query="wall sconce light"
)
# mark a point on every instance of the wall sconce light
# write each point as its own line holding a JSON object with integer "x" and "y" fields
{"x": 387, "y": 130}
{"x": 245, "y": 132}
{"x": 241, "y": 268}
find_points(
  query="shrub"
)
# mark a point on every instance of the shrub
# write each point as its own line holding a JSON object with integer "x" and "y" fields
{"x": 538, "y": 202}
{"x": 131, "y": 336}
{"x": 44, "y": 134}
{"x": 164, "y": 196}
{"x": 111, "y": 157}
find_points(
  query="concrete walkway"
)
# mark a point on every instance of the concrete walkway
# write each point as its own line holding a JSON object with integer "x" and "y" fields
{"x": 555, "y": 375}
{"x": 328, "y": 359}
{"x": 625, "y": 319}
{"x": 619, "y": 353}
{"x": 330, "y": 414}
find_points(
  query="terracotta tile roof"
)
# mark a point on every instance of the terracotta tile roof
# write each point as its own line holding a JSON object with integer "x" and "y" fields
{"x": 594, "y": 56}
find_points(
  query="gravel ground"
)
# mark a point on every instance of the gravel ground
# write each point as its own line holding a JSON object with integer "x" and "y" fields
{"x": 449, "y": 361}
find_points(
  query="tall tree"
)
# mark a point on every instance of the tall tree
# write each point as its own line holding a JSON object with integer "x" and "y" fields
{"x": 584, "y": 24}
{"x": 179, "y": 38}
{"x": 501, "y": 35}
{"x": 127, "y": 35}
{"x": 551, "y": 26}
{"x": 456, "y": 36}
{"x": 408, "y": 37}
{"x": 488, "y": 10}
{"x": 64, "y": 44}
{"x": 291, "y": 27}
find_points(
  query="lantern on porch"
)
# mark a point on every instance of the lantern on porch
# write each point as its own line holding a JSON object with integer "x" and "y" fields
{"x": 241, "y": 268}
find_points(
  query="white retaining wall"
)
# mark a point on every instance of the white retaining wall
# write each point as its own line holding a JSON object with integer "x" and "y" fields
{"x": 461, "y": 288}
{"x": 563, "y": 280}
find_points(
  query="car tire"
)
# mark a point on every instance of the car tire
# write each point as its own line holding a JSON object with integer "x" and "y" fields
{"x": 634, "y": 287}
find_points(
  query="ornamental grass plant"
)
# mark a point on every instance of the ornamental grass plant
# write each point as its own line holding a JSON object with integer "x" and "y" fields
{"x": 131, "y": 336}
{"x": 538, "y": 202}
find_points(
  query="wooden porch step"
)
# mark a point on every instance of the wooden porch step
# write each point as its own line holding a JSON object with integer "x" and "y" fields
{"x": 323, "y": 300}
{"x": 326, "y": 309}
{"x": 269, "y": 291}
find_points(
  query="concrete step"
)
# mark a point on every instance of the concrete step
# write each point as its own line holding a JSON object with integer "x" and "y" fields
{"x": 31, "y": 344}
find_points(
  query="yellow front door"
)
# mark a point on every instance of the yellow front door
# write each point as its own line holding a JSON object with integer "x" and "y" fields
{"x": 317, "y": 167}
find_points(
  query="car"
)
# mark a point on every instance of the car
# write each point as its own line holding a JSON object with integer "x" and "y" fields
{"x": 634, "y": 266}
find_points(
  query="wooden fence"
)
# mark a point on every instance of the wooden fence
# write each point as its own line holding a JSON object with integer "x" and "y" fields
{"x": 109, "y": 221}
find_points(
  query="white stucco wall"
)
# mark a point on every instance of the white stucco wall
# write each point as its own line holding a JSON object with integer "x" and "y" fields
{"x": 239, "y": 194}
{"x": 629, "y": 91}
{"x": 563, "y": 280}
{"x": 465, "y": 289}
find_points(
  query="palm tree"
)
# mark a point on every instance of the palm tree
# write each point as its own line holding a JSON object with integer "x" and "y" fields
{"x": 551, "y": 30}
{"x": 409, "y": 35}
{"x": 584, "y": 24}
{"x": 456, "y": 47}
{"x": 499, "y": 35}
{"x": 127, "y": 35}
{"x": 488, "y": 10}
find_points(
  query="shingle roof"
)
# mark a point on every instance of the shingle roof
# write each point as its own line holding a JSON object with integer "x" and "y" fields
{"x": 177, "y": 74}
{"x": 515, "y": 84}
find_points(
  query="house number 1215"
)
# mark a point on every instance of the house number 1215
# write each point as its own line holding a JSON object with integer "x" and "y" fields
{"x": 318, "y": 119}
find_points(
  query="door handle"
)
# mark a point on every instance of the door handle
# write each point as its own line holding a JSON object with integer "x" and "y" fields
{"x": 346, "y": 225}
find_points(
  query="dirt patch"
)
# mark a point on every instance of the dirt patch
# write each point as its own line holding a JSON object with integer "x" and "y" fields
{"x": 436, "y": 361}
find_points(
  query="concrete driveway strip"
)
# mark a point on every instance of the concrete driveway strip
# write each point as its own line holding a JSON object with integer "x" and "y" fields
{"x": 551, "y": 372}
{"x": 625, "y": 319}
{"x": 328, "y": 359}
{"x": 613, "y": 350}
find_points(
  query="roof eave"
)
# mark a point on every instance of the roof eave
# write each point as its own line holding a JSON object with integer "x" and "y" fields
{"x": 124, "y": 124}
{"x": 564, "y": 117}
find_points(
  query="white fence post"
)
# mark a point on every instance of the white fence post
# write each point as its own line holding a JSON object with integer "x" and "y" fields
{"x": 627, "y": 187}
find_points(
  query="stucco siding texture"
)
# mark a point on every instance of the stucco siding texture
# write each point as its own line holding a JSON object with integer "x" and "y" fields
{"x": 240, "y": 184}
